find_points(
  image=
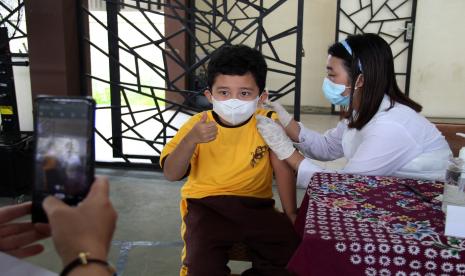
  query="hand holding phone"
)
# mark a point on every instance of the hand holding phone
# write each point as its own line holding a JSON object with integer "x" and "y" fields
{"x": 64, "y": 150}
{"x": 88, "y": 227}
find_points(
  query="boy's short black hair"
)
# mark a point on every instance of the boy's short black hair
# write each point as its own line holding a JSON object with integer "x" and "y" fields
{"x": 237, "y": 60}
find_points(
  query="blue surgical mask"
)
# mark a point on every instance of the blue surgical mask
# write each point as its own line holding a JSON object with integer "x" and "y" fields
{"x": 333, "y": 92}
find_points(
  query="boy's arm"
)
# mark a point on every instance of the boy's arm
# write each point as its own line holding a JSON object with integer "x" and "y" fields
{"x": 177, "y": 162}
{"x": 285, "y": 179}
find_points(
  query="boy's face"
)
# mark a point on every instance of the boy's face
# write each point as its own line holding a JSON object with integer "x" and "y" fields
{"x": 226, "y": 87}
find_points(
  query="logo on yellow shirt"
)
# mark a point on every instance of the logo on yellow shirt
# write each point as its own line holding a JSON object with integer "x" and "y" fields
{"x": 257, "y": 155}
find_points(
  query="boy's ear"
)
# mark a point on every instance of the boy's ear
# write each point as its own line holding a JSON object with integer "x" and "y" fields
{"x": 208, "y": 94}
{"x": 263, "y": 97}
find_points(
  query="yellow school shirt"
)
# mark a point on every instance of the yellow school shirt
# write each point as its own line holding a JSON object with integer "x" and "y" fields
{"x": 235, "y": 163}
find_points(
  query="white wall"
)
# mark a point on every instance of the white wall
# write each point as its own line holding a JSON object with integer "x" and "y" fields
{"x": 319, "y": 34}
{"x": 438, "y": 64}
{"x": 22, "y": 80}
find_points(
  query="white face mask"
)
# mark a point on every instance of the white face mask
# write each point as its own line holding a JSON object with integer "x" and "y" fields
{"x": 235, "y": 111}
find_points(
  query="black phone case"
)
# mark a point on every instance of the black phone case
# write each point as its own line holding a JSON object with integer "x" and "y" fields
{"x": 38, "y": 213}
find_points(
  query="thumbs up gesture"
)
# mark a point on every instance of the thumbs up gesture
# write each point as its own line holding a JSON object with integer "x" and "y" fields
{"x": 203, "y": 131}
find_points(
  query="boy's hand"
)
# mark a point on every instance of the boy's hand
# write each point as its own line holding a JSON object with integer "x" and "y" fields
{"x": 203, "y": 131}
{"x": 292, "y": 217}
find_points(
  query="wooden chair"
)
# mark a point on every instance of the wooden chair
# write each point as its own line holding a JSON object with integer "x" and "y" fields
{"x": 239, "y": 252}
{"x": 449, "y": 131}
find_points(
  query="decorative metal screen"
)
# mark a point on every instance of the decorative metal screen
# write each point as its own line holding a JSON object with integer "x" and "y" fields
{"x": 147, "y": 84}
{"x": 251, "y": 23}
{"x": 13, "y": 18}
{"x": 393, "y": 20}
{"x": 13, "y": 52}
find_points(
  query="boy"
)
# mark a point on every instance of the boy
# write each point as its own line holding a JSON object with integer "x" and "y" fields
{"x": 228, "y": 196}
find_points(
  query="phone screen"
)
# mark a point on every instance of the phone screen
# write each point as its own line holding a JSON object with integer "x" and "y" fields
{"x": 64, "y": 149}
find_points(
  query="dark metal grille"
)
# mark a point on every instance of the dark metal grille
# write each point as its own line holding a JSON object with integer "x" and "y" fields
{"x": 207, "y": 25}
{"x": 13, "y": 52}
{"x": 12, "y": 17}
{"x": 391, "y": 19}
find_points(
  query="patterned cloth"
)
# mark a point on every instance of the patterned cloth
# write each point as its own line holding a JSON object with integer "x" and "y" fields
{"x": 369, "y": 225}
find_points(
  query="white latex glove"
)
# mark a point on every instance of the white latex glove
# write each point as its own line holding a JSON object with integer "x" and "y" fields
{"x": 284, "y": 116}
{"x": 275, "y": 136}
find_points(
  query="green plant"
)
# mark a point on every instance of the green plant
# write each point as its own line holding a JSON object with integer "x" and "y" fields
{"x": 103, "y": 97}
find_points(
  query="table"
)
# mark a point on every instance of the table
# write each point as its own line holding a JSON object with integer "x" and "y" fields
{"x": 370, "y": 225}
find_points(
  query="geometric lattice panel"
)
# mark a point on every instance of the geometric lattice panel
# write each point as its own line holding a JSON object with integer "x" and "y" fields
{"x": 13, "y": 18}
{"x": 393, "y": 20}
{"x": 253, "y": 23}
{"x": 142, "y": 99}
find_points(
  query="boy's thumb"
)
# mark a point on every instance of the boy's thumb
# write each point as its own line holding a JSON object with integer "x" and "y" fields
{"x": 204, "y": 117}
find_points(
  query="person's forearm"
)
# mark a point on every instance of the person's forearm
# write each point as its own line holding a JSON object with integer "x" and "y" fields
{"x": 177, "y": 162}
{"x": 293, "y": 130}
{"x": 294, "y": 160}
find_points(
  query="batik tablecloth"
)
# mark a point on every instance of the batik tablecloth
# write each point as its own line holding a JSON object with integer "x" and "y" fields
{"x": 368, "y": 225}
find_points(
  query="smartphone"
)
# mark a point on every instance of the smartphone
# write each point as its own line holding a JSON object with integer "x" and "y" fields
{"x": 64, "y": 153}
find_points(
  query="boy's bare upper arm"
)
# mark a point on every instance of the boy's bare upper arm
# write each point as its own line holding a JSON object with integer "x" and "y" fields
{"x": 281, "y": 169}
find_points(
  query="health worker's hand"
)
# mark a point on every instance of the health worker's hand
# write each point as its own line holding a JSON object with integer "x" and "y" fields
{"x": 275, "y": 136}
{"x": 283, "y": 116}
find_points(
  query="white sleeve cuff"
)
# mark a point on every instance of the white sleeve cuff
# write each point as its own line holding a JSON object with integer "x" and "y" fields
{"x": 305, "y": 172}
{"x": 301, "y": 132}
{"x": 300, "y": 145}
